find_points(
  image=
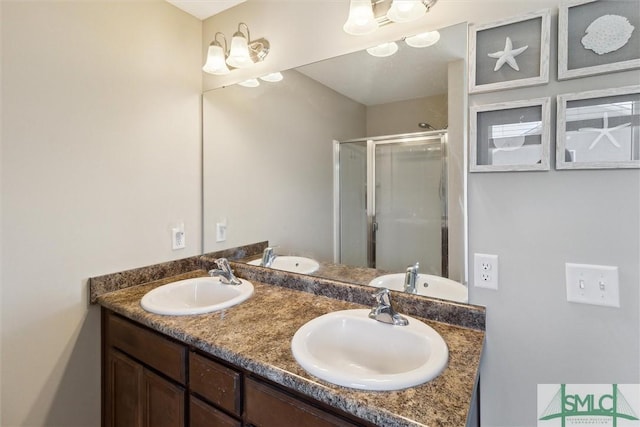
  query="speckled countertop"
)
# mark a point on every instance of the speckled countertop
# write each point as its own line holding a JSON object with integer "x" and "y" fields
{"x": 256, "y": 336}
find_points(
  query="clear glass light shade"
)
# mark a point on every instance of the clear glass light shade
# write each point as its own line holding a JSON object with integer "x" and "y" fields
{"x": 384, "y": 49}
{"x": 272, "y": 77}
{"x": 250, "y": 83}
{"x": 239, "y": 53}
{"x": 406, "y": 10}
{"x": 215, "y": 61}
{"x": 361, "y": 20}
{"x": 423, "y": 39}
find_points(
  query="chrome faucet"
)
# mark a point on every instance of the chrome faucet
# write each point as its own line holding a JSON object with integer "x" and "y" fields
{"x": 410, "y": 278}
{"x": 225, "y": 272}
{"x": 267, "y": 257}
{"x": 383, "y": 312}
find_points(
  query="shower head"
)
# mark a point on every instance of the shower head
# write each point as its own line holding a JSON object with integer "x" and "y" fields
{"x": 424, "y": 125}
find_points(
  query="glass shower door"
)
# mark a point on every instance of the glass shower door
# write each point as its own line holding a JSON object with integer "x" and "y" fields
{"x": 353, "y": 203}
{"x": 409, "y": 203}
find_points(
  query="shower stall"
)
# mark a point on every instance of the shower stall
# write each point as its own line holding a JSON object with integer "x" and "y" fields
{"x": 390, "y": 202}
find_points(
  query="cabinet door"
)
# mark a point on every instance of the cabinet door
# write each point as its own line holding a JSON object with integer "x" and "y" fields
{"x": 123, "y": 378}
{"x": 265, "y": 406}
{"x": 164, "y": 402}
{"x": 204, "y": 415}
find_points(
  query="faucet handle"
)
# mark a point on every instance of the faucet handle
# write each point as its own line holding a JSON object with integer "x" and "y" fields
{"x": 223, "y": 264}
{"x": 382, "y": 297}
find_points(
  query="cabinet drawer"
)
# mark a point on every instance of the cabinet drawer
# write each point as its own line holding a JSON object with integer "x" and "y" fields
{"x": 216, "y": 383}
{"x": 204, "y": 415}
{"x": 148, "y": 347}
{"x": 265, "y": 406}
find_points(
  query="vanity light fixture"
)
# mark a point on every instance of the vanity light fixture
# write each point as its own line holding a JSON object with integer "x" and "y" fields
{"x": 243, "y": 52}
{"x": 365, "y": 16}
{"x": 423, "y": 39}
{"x": 383, "y": 50}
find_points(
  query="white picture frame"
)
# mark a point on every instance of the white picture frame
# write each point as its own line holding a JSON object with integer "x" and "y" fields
{"x": 489, "y": 71}
{"x": 510, "y": 136}
{"x": 599, "y": 129}
{"x": 581, "y": 52}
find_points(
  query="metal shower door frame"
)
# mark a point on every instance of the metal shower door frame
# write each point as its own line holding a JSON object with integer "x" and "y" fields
{"x": 439, "y": 136}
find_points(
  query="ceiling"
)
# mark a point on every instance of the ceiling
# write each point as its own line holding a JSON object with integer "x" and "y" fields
{"x": 203, "y": 9}
{"x": 410, "y": 73}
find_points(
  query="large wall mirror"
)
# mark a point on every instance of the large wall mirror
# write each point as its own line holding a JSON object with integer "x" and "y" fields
{"x": 299, "y": 162}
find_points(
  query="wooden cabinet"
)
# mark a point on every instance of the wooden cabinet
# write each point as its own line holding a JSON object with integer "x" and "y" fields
{"x": 267, "y": 406}
{"x": 133, "y": 395}
{"x": 150, "y": 380}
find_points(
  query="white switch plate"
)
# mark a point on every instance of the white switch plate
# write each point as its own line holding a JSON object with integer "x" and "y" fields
{"x": 485, "y": 271}
{"x": 177, "y": 237}
{"x": 592, "y": 284}
{"x": 221, "y": 231}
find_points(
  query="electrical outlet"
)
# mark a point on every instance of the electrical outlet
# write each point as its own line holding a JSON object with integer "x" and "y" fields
{"x": 485, "y": 271}
{"x": 178, "y": 237}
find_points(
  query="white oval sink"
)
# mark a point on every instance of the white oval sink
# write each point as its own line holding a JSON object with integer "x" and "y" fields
{"x": 427, "y": 285}
{"x": 293, "y": 264}
{"x": 348, "y": 348}
{"x": 195, "y": 296}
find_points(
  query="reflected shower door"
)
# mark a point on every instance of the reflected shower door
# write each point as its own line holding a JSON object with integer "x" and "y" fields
{"x": 392, "y": 203}
{"x": 353, "y": 203}
{"x": 409, "y": 199}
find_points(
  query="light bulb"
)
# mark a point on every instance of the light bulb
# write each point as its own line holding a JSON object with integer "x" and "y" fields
{"x": 361, "y": 20}
{"x": 215, "y": 60}
{"x": 383, "y": 50}
{"x": 423, "y": 39}
{"x": 406, "y": 10}
{"x": 250, "y": 83}
{"x": 239, "y": 52}
{"x": 272, "y": 77}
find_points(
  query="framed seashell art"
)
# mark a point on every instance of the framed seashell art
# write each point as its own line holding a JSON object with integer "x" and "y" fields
{"x": 598, "y": 36}
{"x": 510, "y": 53}
{"x": 510, "y": 136}
{"x": 599, "y": 129}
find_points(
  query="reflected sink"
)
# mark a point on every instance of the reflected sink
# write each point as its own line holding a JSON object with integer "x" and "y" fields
{"x": 195, "y": 296}
{"x": 427, "y": 285}
{"x": 349, "y": 349}
{"x": 293, "y": 264}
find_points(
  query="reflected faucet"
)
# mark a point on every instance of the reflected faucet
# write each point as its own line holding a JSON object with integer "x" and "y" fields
{"x": 410, "y": 278}
{"x": 268, "y": 255}
{"x": 225, "y": 272}
{"x": 383, "y": 312}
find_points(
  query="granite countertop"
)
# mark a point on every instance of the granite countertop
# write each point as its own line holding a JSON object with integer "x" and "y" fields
{"x": 256, "y": 336}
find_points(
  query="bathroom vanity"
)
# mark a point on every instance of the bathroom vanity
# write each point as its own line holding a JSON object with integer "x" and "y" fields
{"x": 235, "y": 367}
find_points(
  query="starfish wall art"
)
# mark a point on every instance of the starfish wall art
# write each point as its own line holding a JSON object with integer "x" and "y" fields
{"x": 508, "y": 55}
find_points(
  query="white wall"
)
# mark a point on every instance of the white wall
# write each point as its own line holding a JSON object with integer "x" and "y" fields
{"x": 257, "y": 139}
{"x": 535, "y": 222}
{"x": 100, "y": 154}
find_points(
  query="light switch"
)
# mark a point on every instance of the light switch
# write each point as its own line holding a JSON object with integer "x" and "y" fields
{"x": 592, "y": 284}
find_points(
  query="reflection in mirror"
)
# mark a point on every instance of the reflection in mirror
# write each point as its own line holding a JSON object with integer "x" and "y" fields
{"x": 271, "y": 154}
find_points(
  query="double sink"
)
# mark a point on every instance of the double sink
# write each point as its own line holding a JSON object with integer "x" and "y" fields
{"x": 346, "y": 348}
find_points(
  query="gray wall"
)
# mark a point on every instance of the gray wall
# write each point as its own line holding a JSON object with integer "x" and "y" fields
{"x": 536, "y": 222}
